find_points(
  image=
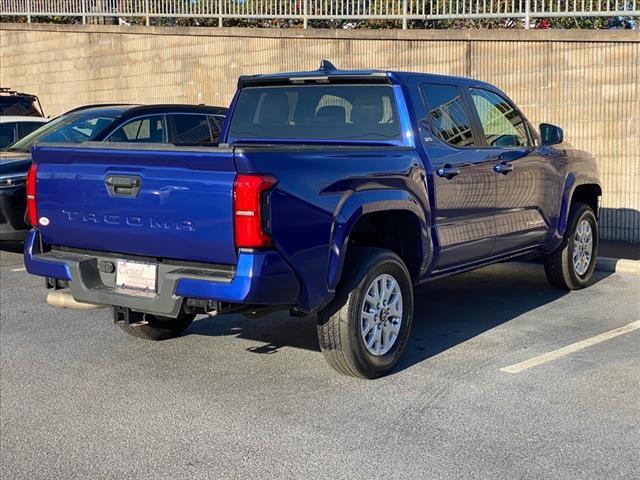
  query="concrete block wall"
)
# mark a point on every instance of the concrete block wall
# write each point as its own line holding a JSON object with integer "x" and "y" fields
{"x": 588, "y": 82}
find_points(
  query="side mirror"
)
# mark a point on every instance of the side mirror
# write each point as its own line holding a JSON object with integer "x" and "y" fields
{"x": 551, "y": 135}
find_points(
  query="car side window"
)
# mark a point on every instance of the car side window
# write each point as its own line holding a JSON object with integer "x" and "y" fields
{"x": 218, "y": 120}
{"x": 7, "y": 134}
{"x": 503, "y": 125}
{"x": 215, "y": 123}
{"x": 25, "y": 128}
{"x": 447, "y": 114}
{"x": 151, "y": 129}
{"x": 195, "y": 128}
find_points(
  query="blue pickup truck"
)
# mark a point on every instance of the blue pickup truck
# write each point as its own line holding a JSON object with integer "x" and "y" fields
{"x": 332, "y": 193}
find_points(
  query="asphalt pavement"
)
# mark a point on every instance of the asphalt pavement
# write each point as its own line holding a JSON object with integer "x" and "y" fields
{"x": 240, "y": 399}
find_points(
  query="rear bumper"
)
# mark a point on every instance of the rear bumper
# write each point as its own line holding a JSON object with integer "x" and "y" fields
{"x": 260, "y": 278}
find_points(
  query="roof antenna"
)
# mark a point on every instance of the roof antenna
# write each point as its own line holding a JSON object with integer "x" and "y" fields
{"x": 327, "y": 66}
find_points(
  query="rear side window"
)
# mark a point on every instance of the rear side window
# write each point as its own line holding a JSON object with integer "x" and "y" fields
{"x": 316, "y": 112}
{"x": 150, "y": 129}
{"x": 7, "y": 134}
{"x": 503, "y": 125}
{"x": 447, "y": 114}
{"x": 195, "y": 129}
{"x": 26, "y": 128}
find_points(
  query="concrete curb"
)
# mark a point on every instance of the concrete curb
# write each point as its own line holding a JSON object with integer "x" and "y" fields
{"x": 618, "y": 265}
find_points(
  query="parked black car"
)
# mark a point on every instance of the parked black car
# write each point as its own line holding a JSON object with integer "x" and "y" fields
{"x": 176, "y": 124}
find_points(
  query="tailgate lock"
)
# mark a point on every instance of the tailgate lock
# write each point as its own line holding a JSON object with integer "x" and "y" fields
{"x": 123, "y": 185}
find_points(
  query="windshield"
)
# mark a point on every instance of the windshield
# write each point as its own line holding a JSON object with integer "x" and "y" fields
{"x": 316, "y": 112}
{"x": 72, "y": 128}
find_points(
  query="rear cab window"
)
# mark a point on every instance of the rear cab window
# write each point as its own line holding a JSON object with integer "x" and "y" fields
{"x": 339, "y": 112}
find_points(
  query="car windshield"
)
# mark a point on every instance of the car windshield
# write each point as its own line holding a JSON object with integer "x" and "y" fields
{"x": 316, "y": 113}
{"x": 70, "y": 128}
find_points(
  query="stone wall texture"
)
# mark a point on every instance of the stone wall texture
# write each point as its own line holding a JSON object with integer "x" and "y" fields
{"x": 588, "y": 82}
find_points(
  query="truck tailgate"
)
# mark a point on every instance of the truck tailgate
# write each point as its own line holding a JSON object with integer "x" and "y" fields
{"x": 153, "y": 200}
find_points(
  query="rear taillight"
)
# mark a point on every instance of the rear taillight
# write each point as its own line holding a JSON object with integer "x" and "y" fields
{"x": 32, "y": 214}
{"x": 248, "y": 212}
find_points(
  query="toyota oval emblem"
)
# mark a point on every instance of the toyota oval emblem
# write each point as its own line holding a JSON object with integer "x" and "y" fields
{"x": 44, "y": 221}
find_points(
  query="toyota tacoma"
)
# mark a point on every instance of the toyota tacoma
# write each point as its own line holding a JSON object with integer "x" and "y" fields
{"x": 333, "y": 193}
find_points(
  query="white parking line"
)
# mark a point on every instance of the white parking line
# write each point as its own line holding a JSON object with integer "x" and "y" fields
{"x": 574, "y": 347}
{"x": 22, "y": 269}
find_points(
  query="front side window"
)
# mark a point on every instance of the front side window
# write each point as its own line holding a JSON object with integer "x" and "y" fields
{"x": 195, "y": 129}
{"x": 316, "y": 112}
{"x": 503, "y": 125}
{"x": 447, "y": 114}
{"x": 151, "y": 129}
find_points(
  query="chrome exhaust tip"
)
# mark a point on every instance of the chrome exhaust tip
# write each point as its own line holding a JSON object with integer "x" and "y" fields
{"x": 64, "y": 299}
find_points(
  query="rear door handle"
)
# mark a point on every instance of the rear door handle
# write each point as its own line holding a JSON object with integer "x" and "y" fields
{"x": 447, "y": 171}
{"x": 503, "y": 167}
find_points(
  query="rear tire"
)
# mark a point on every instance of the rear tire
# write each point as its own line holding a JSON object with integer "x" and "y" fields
{"x": 159, "y": 328}
{"x": 364, "y": 331}
{"x": 571, "y": 266}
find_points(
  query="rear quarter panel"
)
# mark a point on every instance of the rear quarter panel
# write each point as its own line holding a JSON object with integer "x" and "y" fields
{"x": 321, "y": 192}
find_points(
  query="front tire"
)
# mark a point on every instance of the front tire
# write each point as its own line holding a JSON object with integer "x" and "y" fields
{"x": 364, "y": 331}
{"x": 571, "y": 266}
{"x": 158, "y": 328}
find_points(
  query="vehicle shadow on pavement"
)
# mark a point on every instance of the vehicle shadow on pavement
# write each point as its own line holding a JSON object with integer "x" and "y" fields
{"x": 451, "y": 311}
{"x": 274, "y": 331}
{"x": 12, "y": 247}
{"x": 447, "y": 313}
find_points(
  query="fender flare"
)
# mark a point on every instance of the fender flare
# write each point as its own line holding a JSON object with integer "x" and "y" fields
{"x": 357, "y": 204}
{"x": 571, "y": 183}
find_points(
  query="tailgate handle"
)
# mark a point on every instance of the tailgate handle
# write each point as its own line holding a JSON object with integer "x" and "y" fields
{"x": 123, "y": 185}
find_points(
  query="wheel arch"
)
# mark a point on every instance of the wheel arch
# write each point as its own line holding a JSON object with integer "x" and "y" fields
{"x": 359, "y": 222}
{"x": 588, "y": 193}
{"x": 577, "y": 189}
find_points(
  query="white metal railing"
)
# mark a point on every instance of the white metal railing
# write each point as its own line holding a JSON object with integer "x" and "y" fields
{"x": 305, "y": 10}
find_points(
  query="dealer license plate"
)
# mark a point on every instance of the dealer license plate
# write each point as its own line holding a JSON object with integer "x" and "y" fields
{"x": 136, "y": 275}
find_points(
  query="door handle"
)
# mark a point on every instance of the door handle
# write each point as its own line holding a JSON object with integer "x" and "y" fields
{"x": 503, "y": 168}
{"x": 447, "y": 171}
{"x": 123, "y": 185}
